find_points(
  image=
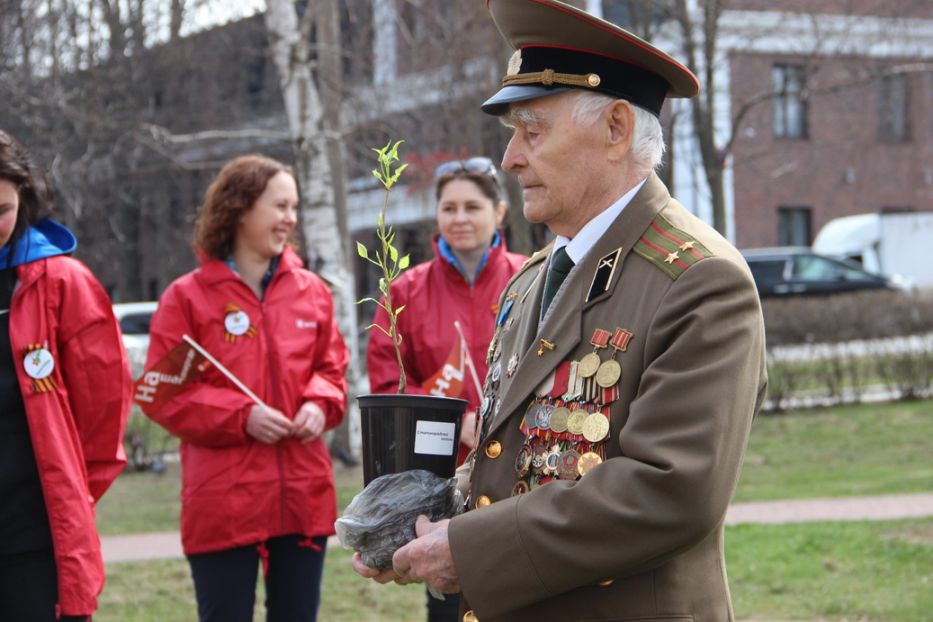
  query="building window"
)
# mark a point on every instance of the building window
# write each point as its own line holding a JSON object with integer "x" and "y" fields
{"x": 790, "y": 106}
{"x": 893, "y": 108}
{"x": 634, "y": 14}
{"x": 795, "y": 226}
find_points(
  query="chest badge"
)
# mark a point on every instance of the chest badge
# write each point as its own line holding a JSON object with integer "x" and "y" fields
{"x": 236, "y": 323}
{"x": 38, "y": 363}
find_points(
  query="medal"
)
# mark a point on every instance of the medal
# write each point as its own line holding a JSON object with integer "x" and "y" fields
{"x": 520, "y": 488}
{"x": 587, "y": 461}
{"x": 523, "y": 461}
{"x": 552, "y": 461}
{"x": 559, "y": 419}
{"x": 567, "y": 467}
{"x": 576, "y": 420}
{"x": 531, "y": 416}
{"x": 608, "y": 373}
{"x": 590, "y": 363}
{"x": 497, "y": 372}
{"x": 537, "y": 459}
{"x": 596, "y": 427}
{"x": 513, "y": 365}
{"x": 543, "y": 417}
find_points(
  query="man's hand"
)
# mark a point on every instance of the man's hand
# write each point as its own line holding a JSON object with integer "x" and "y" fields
{"x": 379, "y": 576}
{"x": 427, "y": 558}
{"x": 267, "y": 425}
{"x": 309, "y": 422}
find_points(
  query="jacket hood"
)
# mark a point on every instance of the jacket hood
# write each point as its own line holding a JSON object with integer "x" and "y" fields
{"x": 45, "y": 239}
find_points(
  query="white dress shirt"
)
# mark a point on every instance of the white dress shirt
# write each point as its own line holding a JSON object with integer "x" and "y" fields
{"x": 589, "y": 235}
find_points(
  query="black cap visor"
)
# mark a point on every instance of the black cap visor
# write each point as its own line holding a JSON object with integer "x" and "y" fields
{"x": 498, "y": 104}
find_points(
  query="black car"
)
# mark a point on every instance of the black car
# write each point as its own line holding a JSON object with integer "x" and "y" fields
{"x": 787, "y": 271}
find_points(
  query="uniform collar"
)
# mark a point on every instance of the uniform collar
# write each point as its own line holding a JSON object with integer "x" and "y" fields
{"x": 589, "y": 235}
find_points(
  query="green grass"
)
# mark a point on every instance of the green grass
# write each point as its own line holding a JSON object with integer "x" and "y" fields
{"x": 141, "y": 502}
{"x": 819, "y": 571}
{"x": 826, "y": 572}
{"x": 160, "y": 590}
{"x": 844, "y": 451}
{"x": 145, "y": 502}
{"x": 865, "y": 571}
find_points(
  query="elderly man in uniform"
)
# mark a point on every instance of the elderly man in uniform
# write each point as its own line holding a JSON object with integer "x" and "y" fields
{"x": 627, "y": 364}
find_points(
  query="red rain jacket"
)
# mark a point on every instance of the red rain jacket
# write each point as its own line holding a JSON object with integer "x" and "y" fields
{"x": 435, "y": 294}
{"x": 77, "y": 426}
{"x": 237, "y": 491}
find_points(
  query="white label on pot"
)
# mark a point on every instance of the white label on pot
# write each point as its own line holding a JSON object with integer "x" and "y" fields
{"x": 435, "y": 438}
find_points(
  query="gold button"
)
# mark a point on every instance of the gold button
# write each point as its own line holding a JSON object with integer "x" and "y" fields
{"x": 593, "y": 80}
{"x": 607, "y": 582}
{"x": 493, "y": 449}
{"x": 482, "y": 501}
{"x": 469, "y": 616}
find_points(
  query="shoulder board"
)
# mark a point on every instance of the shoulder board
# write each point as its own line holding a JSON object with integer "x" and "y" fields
{"x": 532, "y": 261}
{"x": 670, "y": 249}
{"x": 536, "y": 257}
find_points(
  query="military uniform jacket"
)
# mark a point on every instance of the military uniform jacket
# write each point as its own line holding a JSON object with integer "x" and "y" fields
{"x": 639, "y": 536}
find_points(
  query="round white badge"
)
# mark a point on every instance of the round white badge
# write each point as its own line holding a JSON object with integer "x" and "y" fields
{"x": 237, "y": 323}
{"x": 39, "y": 364}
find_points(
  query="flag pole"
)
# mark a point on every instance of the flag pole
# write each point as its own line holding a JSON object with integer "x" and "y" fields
{"x": 226, "y": 372}
{"x": 465, "y": 348}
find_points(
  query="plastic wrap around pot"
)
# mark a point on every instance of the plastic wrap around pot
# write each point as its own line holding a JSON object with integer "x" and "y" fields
{"x": 381, "y": 518}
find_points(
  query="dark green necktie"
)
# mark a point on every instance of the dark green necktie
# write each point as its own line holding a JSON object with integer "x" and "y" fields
{"x": 560, "y": 267}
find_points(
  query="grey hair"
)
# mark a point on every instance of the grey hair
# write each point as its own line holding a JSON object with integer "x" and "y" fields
{"x": 647, "y": 138}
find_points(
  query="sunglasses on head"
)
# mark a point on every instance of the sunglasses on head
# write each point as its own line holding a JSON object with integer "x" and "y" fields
{"x": 477, "y": 164}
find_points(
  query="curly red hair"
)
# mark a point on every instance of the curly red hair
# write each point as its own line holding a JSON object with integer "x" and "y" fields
{"x": 232, "y": 193}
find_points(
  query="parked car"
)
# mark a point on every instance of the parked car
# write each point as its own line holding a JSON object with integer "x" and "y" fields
{"x": 786, "y": 271}
{"x": 896, "y": 245}
{"x": 134, "y": 318}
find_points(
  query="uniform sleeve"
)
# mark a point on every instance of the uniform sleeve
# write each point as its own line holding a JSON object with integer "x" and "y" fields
{"x": 328, "y": 385}
{"x": 96, "y": 374}
{"x": 380, "y": 353}
{"x": 681, "y": 447}
{"x": 201, "y": 413}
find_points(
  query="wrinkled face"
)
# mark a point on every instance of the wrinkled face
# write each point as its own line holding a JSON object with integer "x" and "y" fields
{"x": 557, "y": 161}
{"x": 265, "y": 228}
{"x": 466, "y": 217}
{"x": 9, "y": 208}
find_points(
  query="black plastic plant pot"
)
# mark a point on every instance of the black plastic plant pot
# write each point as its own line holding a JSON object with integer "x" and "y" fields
{"x": 404, "y": 432}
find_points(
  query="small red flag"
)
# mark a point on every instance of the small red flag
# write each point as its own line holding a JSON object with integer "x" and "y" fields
{"x": 166, "y": 378}
{"x": 448, "y": 381}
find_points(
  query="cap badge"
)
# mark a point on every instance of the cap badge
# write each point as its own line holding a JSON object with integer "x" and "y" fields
{"x": 515, "y": 63}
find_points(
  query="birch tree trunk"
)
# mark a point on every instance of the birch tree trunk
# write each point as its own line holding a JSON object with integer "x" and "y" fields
{"x": 289, "y": 38}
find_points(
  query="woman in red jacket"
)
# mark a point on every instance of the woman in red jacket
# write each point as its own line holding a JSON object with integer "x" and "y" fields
{"x": 462, "y": 283}
{"x": 256, "y": 482}
{"x": 64, "y": 399}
